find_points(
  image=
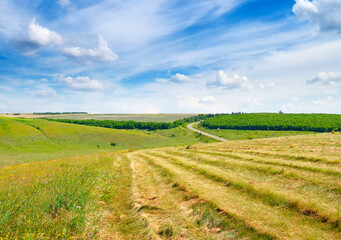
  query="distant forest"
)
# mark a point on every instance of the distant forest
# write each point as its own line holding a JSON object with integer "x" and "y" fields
{"x": 276, "y": 121}
{"x": 137, "y": 125}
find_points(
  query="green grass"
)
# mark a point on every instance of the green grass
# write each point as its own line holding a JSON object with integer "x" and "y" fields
{"x": 24, "y": 140}
{"x": 233, "y": 135}
{"x": 59, "y": 199}
{"x": 278, "y": 188}
{"x": 125, "y": 117}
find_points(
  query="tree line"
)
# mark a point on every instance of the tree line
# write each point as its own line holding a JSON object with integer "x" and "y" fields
{"x": 136, "y": 125}
{"x": 276, "y": 121}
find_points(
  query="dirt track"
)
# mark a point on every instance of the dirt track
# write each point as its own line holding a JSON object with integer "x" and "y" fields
{"x": 190, "y": 126}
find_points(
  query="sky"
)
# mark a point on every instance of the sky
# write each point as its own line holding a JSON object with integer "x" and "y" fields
{"x": 170, "y": 56}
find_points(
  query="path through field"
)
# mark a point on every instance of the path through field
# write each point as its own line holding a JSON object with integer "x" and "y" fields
{"x": 283, "y": 188}
{"x": 190, "y": 126}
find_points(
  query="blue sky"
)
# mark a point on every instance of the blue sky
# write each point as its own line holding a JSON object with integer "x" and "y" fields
{"x": 167, "y": 56}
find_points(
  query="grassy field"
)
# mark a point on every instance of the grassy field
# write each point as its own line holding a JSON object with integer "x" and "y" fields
{"x": 278, "y": 188}
{"x": 24, "y": 140}
{"x": 167, "y": 117}
{"x": 232, "y": 135}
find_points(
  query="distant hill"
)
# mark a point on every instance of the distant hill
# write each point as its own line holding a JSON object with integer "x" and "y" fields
{"x": 24, "y": 140}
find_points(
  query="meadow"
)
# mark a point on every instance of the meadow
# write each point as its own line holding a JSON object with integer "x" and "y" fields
{"x": 24, "y": 140}
{"x": 276, "y": 188}
{"x": 68, "y": 181}
{"x": 234, "y": 134}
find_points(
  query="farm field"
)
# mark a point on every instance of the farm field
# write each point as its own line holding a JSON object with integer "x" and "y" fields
{"x": 283, "y": 188}
{"x": 24, "y": 140}
{"x": 275, "y": 121}
{"x": 233, "y": 134}
{"x": 276, "y": 188}
{"x": 116, "y": 117}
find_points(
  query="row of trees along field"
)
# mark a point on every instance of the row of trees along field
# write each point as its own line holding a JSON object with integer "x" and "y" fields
{"x": 136, "y": 125}
{"x": 276, "y": 121}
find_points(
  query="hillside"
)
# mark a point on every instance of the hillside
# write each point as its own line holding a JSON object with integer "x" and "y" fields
{"x": 23, "y": 140}
{"x": 275, "y": 188}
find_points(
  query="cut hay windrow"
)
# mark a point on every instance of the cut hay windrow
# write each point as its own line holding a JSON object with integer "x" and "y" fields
{"x": 277, "y": 222}
{"x": 270, "y": 193}
{"x": 327, "y": 183}
{"x": 307, "y": 166}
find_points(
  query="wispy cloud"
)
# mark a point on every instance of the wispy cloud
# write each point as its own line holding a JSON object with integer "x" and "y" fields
{"x": 63, "y": 3}
{"x": 326, "y": 78}
{"x": 82, "y": 83}
{"x": 46, "y": 92}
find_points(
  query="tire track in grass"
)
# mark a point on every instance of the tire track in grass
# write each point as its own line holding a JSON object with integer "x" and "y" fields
{"x": 272, "y": 221}
{"x": 137, "y": 201}
{"x": 268, "y": 193}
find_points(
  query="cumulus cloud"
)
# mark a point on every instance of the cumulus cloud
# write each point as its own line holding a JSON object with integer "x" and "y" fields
{"x": 326, "y": 78}
{"x": 208, "y": 99}
{"x": 82, "y": 83}
{"x": 179, "y": 78}
{"x": 46, "y": 92}
{"x": 323, "y": 13}
{"x": 227, "y": 82}
{"x": 266, "y": 86}
{"x": 102, "y": 53}
{"x": 37, "y": 37}
{"x": 63, "y": 3}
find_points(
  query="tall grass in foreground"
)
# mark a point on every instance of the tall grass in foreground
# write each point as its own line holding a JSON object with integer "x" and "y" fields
{"x": 56, "y": 199}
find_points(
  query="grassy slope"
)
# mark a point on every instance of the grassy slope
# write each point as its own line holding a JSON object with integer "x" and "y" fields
{"x": 232, "y": 135}
{"x": 285, "y": 188}
{"x": 24, "y": 140}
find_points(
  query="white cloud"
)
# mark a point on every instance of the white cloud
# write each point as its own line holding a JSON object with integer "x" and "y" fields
{"x": 102, "y": 53}
{"x": 37, "y": 37}
{"x": 46, "y": 92}
{"x": 326, "y": 78}
{"x": 295, "y": 99}
{"x": 208, "y": 99}
{"x": 41, "y": 35}
{"x": 266, "y": 86}
{"x": 225, "y": 81}
{"x": 179, "y": 78}
{"x": 82, "y": 83}
{"x": 323, "y": 13}
{"x": 63, "y": 3}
